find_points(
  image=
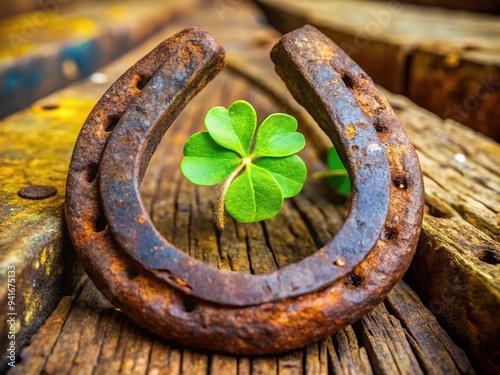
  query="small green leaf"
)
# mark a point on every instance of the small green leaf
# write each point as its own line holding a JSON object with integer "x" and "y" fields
{"x": 341, "y": 182}
{"x": 205, "y": 162}
{"x": 254, "y": 195}
{"x": 290, "y": 172}
{"x": 233, "y": 128}
{"x": 277, "y": 136}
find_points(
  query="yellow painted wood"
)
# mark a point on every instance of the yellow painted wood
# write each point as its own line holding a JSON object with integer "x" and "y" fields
{"x": 47, "y": 49}
{"x": 36, "y": 146}
{"x": 35, "y": 149}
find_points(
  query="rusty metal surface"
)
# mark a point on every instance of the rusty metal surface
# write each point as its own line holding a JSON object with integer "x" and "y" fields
{"x": 179, "y": 298}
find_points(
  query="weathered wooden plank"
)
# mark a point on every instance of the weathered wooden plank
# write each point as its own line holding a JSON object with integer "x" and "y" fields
{"x": 45, "y": 50}
{"x": 112, "y": 332}
{"x": 446, "y": 61}
{"x": 316, "y": 361}
{"x": 387, "y": 349}
{"x": 462, "y": 178}
{"x": 31, "y": 235}
{"x": 48, "y": 334}
{"x": 352, "y": 358}
{"x": 461, "y": 86}
{"x": 89, "y": 336}
{"x": 425, "y": 334}
{"x": 221, "y": 364}
{"x": 32, "y": 238}
{"x": 459, "y": 245}
{"x": 175, "y": 206}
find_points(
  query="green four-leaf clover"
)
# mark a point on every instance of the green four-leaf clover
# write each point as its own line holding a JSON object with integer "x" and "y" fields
{"x": 258, "y": 166}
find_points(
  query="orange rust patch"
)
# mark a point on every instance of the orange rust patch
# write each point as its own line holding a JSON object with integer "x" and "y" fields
{"x": 351, "y": 131}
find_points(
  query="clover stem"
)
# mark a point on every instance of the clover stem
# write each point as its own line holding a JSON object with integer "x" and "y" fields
{"x": 330, "y": 173}
{"x": 220, "y": 216}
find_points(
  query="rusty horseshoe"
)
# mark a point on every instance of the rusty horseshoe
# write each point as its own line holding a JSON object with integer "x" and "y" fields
{"x": 180, "y": 298}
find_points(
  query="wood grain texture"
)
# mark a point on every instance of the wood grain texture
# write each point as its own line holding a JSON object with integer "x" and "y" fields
{"x": 32, "y": 237}
{"x": 445, "y": 60}
{"x": 96, "y": 338}
{"x": 90, "y": 314}
{"x": 459, "y": 246}
{"x": 463, "y": 87}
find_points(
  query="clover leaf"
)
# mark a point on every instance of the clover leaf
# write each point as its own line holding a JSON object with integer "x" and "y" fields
{"x": 340, "y": 180}
{"x": 206, "y": 163}
{"x": 258, "y": 165}
{"x": 233, "y": 128}
{"x": 336, "y": 174}
{"x": 253, "y": 196}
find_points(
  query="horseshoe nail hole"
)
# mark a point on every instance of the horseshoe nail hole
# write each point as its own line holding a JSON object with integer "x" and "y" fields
{"x": 91, "y": 172}
{"x": 143, "y": 81}
{"x": 379, "y": 126}
{"x": 132, "y": 272}
{"x": 50, "y": 107}
{"x": 352, "y": 281}
{"x": 189, "y": 303}
{"x": 112, "y": 121}
{"x": 339, "y": 262}
{"x": 388, "y": 234}
{"x": 348, "y": 81}
{"x": 100, "y": 223}
{"x": 488, "y": 255}
{"x": 400, "y": 183}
